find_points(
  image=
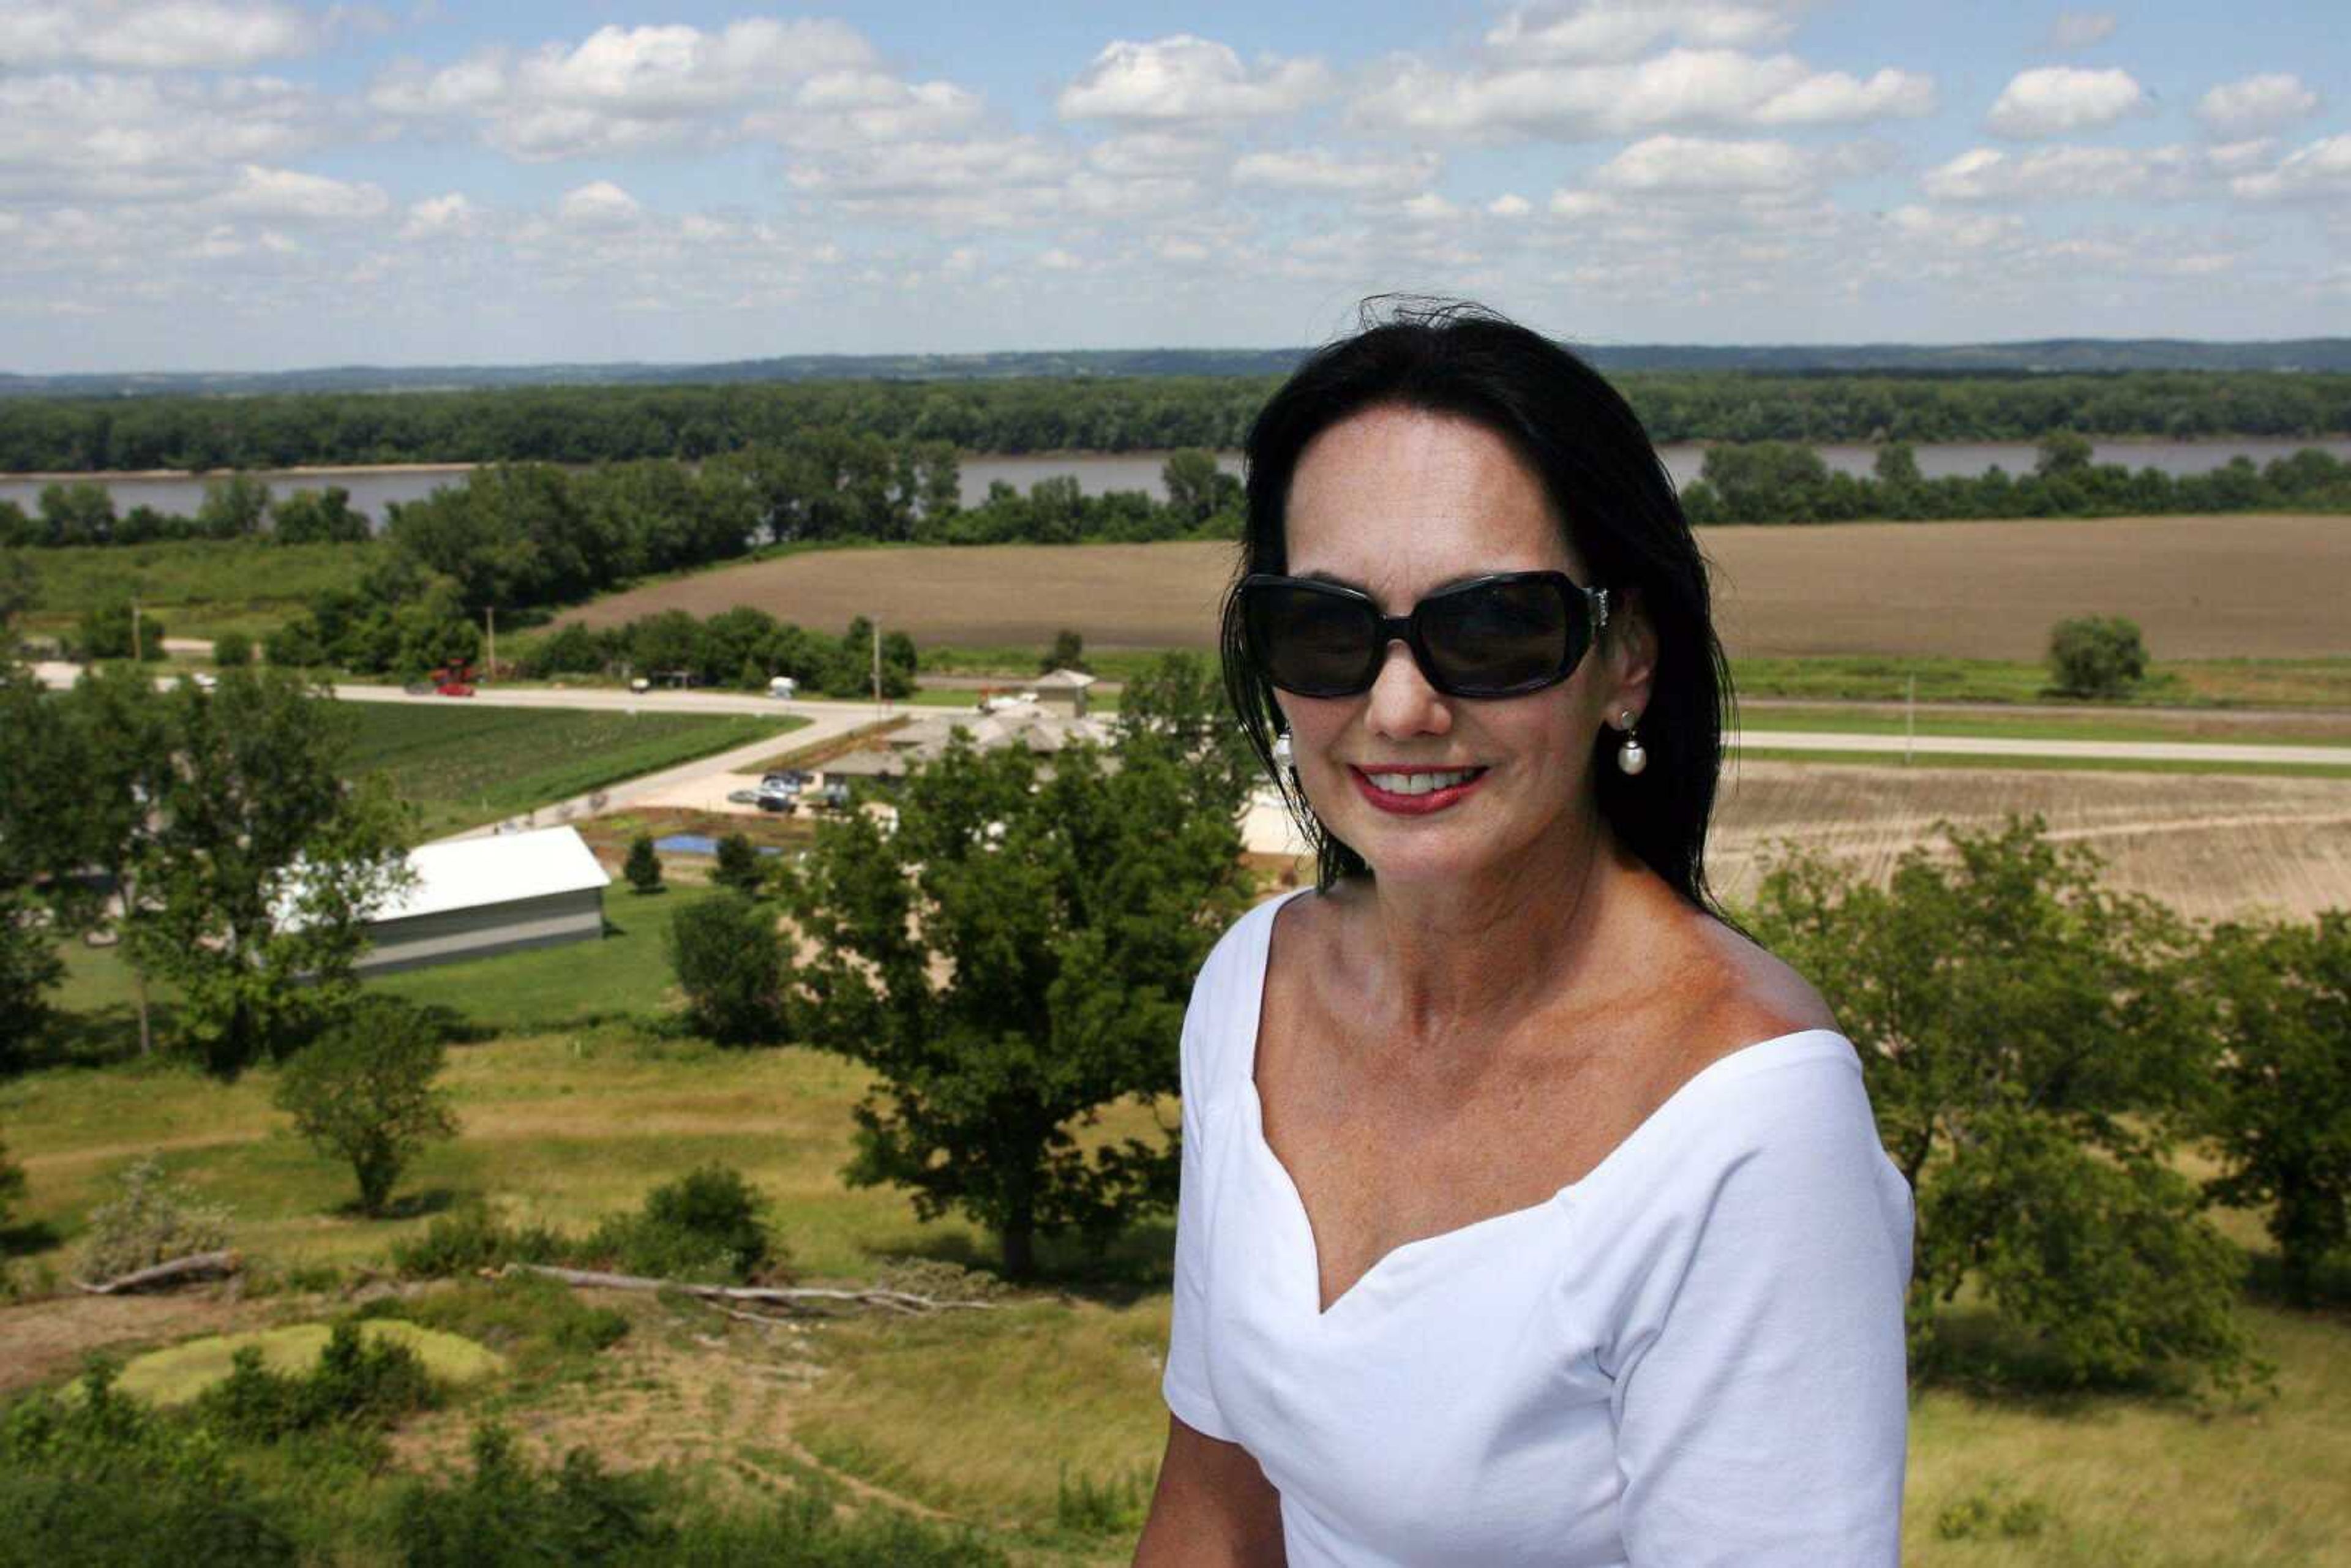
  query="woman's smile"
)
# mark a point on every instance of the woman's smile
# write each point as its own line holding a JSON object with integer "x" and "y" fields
{"x": 1415, "y": 793}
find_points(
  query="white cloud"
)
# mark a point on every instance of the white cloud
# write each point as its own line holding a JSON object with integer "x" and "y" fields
{"x": 1316, "y": 169}
{"x": 1153, "y": 153}
{"x": 1510, "y": 205}
{"x": 1682, "y": 87}
{"x": 2070, "y": 173}
{"x": 1058, "y": 260}
{"x": 599, "y": 205}
{"x": 851, "y": 108}
{"x": 1428, "y": 207}
{"x": 1953, "y": 231}
{"x": 144, "y": 138}
{"x": 151, "y": 35}
{"x": 1187, "y": 78}
{"x": 2321, "y": 169}
{"x": 290, "y": 193}
{"x": 2080, "y": 29}
{"x": 1697, "y": 164}
{"x": 662, "y": 89}
{"x": 1622, "y": 29}
{"x": 2053, "y": 99}
{"x": 440, "y": 215}
{"x": 1567, "y": 203}
{"x": 2255, "y": 104}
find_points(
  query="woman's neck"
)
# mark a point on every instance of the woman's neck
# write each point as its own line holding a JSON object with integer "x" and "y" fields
{"x": 1453, "y": 963}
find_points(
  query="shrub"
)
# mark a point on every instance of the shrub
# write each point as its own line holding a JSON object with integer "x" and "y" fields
{"x": 527, "y": 1318}
{"x": 731, "y": 968}
{"x": 358, "y": 1381}
{"x": 738, "y": 866}
{"x": 105, "y": 1479}
{"x": 363, "y": 1090}
{"x": 702, "y": 1227}
{"x": 153, "y": 1219}
{"x": 12, "y": 1185}
{"x": 468, "y": 1239}
{"x": 2091, "y": 657}
{"x": 232, "y": 650}
{"x": 644, "y": 867}
{"x": 507, "y": 1512}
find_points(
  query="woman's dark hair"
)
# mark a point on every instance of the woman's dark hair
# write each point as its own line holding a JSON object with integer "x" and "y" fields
{"x": 1603, "y": 480}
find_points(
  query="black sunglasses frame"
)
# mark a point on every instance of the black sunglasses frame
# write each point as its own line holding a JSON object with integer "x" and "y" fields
{"x": 1582, "y": 630}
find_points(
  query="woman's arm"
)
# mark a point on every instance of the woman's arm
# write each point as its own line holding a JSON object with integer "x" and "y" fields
{"x": 1214, "y": 1508}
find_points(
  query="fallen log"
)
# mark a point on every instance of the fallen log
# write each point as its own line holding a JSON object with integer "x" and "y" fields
{"x": 170, "y": 1272}
{"x": 774, "y": 1295}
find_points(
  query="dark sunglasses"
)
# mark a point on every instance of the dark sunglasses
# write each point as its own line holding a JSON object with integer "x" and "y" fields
{"x": 1501, "y": 635}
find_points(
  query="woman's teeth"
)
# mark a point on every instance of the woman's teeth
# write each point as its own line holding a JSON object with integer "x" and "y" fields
{"x": 1421, "y": 783}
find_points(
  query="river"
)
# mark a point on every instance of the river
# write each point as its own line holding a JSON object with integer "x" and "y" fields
{"x": 374, "y": 489}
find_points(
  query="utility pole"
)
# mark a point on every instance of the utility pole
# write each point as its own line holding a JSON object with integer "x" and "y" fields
{"x": 1909, "y": 719}
{"x": 135, "y": 649}
{"x": 490, "y": 614}
{"x": 877, "y": 663}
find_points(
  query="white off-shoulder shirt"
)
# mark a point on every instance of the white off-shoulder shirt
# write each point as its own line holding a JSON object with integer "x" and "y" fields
{"x": 1693, "y": 1356}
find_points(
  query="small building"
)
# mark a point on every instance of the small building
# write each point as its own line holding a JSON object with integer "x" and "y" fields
{"x": 473, "y": 897}
{"x": 1063, "y": 687}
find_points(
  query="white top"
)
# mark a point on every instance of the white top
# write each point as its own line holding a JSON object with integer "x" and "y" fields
{"x": 1691, "y": 1356}
{"x": 465, "y": 874}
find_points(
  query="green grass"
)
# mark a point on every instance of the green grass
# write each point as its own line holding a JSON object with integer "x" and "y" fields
{"x": 198, "y": 588}
{"x": 563, "y": 1126}
{"x": 1021, "y": 664}
{"x": 462, "y": 765}
{"x": 2123, "y": 725}
{"x": 2181, "y": 683}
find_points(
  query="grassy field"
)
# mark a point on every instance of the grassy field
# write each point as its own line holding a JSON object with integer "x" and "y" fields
{"x": 461, "y": 765}
{"x": 2170, "y": 683}
{"x": 992, "y": 1417}
{"x": 198, "y": 588}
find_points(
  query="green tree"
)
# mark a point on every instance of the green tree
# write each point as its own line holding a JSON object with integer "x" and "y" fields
{"x": 363, "y": 1091}
{"x": 730, "y": 965}
{"x": 2061, "y": 452}
{"x": 2030, "y": 1052}
{"x": 644, "y": 867}
{"x": 20, "y": 586}
{"x": 264, "y": 866}
{"x": 1067, "y": 653}
{"x": 738, "y": 866}
{"x": 80, "y": 512}
{"x": 311, "y": 516}
{"x": 107, "y": 630}
{"x": 1177, "y": 705}
{"x": 118, "y": 731}
{"x": 232, "y": 507}
{"x": 43, "y": 839}
{"x": 2093, "y": 656}
{"x": 12, "y": 1185}
{"x": 2280, "y": 1111}
{"x": 233, "y": 650}
{"x": 1015, "y": 956}
{"x": 1189, "y": 476}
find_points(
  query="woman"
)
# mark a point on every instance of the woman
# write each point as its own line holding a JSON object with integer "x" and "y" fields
{"x": 1531, "y": 1213}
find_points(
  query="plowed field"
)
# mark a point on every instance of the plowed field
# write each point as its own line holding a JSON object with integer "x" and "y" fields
{"x": 2229, "y": 586}
{"x": 2209, "y": 845}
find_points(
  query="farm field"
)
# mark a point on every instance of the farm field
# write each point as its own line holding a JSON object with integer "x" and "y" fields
{"x": 461, "y": 765}
{"x": 2209, "y": 845}
{"x": 198, "y": 588}
{"x": 2200, "y": 588}
{"x": 987, "y": 1417}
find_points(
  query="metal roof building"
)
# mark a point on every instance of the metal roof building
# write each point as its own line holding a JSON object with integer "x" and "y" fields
{"x": 473, "y": 897}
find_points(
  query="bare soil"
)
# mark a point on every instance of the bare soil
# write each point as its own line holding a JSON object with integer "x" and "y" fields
{"x": 2224, "y": 587}
{"x": 2212, "y": 846}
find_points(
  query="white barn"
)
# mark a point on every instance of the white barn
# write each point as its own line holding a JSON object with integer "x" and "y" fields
{"x": 473, "y": 897}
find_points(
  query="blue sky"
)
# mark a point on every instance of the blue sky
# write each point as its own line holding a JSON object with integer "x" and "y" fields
{"x": 257, "y": 184}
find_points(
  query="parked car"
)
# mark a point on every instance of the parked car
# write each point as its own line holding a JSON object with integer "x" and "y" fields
{"x": 789, "y": 780}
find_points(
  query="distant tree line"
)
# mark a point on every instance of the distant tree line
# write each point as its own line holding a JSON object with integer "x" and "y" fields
{"x": 1776, "y": 482}
{"x": 744, "y": 647}
{"x": 592, "y": 424}
{"x": 526, "y": 536}
{"x": 237, "y": 507}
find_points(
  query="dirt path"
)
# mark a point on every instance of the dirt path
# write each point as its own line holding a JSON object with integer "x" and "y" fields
{"x": 46, "y": 1339}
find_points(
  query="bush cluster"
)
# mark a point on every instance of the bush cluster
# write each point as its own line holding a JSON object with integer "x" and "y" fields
{"x": 151, "y": 1219}
{"x": 705, "y": 1226}
{"x": 744, "y": 647}
{"x": 358, "y": 1381}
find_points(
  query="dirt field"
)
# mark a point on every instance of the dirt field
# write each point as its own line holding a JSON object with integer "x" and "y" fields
{"x": 2209, "y": 846}
{"x": 2233, "y": 587}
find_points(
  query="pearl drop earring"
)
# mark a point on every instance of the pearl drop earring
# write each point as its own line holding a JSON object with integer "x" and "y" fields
{"x": 1630, "y": 756}
{"x": 1281, "y": 752}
